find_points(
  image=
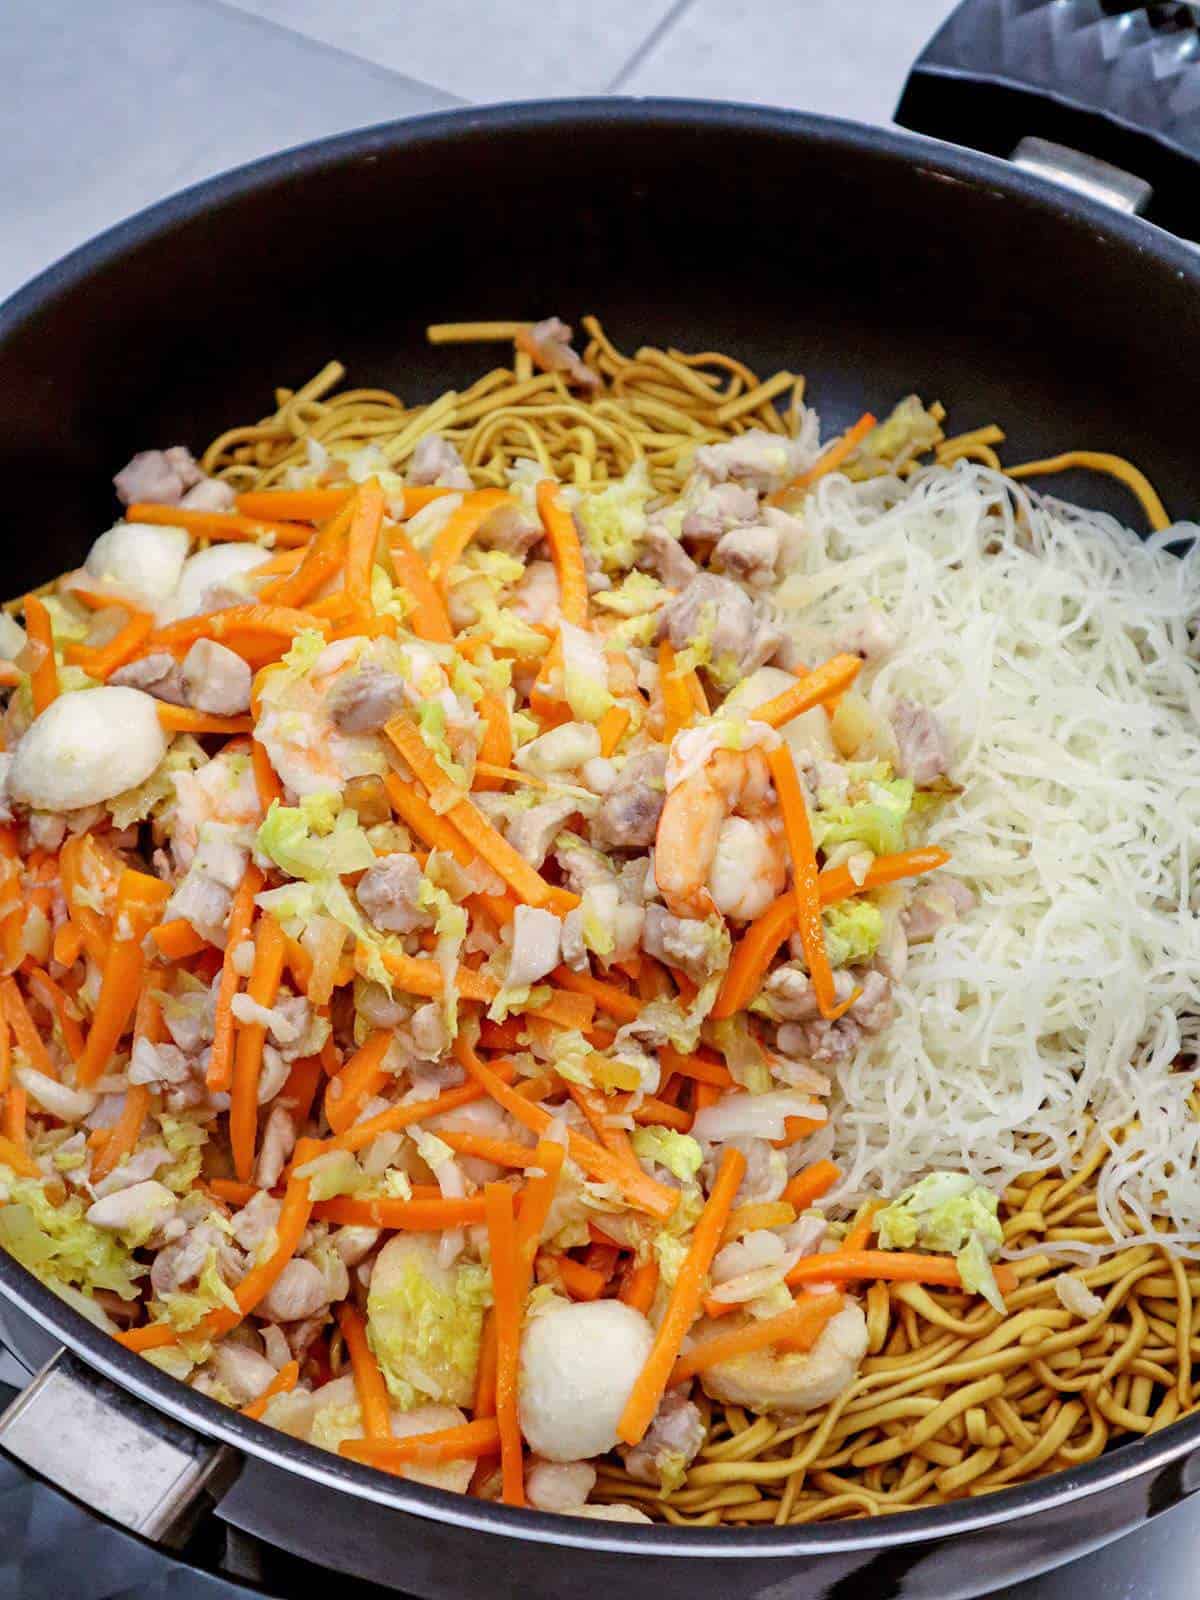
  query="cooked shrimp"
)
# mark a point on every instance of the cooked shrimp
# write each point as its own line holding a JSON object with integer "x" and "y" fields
{"x": 766, "y": 1382}
{"x": 222, "y": 790}
{"x": 731, "y": 783}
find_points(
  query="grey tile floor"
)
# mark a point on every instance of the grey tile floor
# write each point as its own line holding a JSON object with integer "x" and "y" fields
{"x": 112, "y": 104}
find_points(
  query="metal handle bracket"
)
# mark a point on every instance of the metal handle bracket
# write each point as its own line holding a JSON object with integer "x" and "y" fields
{"x": 113, "y": 1453}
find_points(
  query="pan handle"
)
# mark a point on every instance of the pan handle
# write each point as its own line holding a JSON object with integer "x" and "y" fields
{"x": 115, "y": 1454}
{"x": 1113, "y": 85}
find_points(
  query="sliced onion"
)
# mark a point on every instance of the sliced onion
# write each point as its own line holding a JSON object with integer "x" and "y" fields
{"x": 754, "y": 1116}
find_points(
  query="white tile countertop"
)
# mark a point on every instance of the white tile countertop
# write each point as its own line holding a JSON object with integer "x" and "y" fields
{"x": 112, "y": 104}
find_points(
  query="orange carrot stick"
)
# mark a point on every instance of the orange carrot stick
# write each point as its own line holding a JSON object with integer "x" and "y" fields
{"x": 566, "y": 552}
{"x": 829, "y": 460}
{"x": 536, "y": 1200}
{"x": 460, "y": 527}
{"x": 362, "y": 1077}
{"x": 581, "y": 1282}
{"x": 14, "y": 1154}
{"x": 283, "y": 1382}
{"x": 177, "y": 940}
{"x": 184, "y": 719}
{"x": 220, "y": 1064}
{"x": 684, "y": 1303}
{"x": 611, "y": 728}
{"x": 836, "y": 883}
{"x": 498, "y": 1202}
{"x": 799, "y": 1328}
{"x": 496, "y": 746}
{"x": 798, "y": 834}
{"x": 429, "y": 619}
{"x": 810, "y": 1183}
{"x": 412, "y": 1216}
{"x": 368, "y": 1379}
{"x": 500, "y": 1152}
{"x": 222, "y": 525}
{"x": 361, "y": 542}
{"x": 293, "y": 505}
{"x": 485, "y": 1374}
{"x": 262, "y": 988}
{"x": 616, "y": 1002}
{"x": 858, "y": 1235}
{"x": 640, "y": 1286}
{"x": 465, "y": 1442}
{"x": 139, "y": 904}
{"x": 60, "y": 1006}
{"x": 361, "y": 1134}
{"x": 125, "y": 1132}
{"x": 676, "y": 697}
{"x": 424, "y": 977}
{"x": 439, "y": 834}
{"x": 29, "y": 1040}
{"x": 813, "y": 689}
{"x": 103, "y": 660}
{"x": 888, "y": 1266}
{"x": 43, "y": 680}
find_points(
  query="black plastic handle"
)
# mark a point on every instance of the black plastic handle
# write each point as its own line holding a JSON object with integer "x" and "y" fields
{"x": 1117, "y": 81}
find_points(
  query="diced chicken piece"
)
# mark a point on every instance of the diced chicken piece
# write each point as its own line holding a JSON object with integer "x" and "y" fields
{"x": 718, "y": 508}
{"x": 135, "y": 1169}
{"x": 158, "y": 477}
{"x": 682, "y": 942}
{"x": 191, "y": 1026}
{"x": 182, "y": 1262}
{"x": 721, "y": 614}
{"x": 790, "y": 992}
{"x": 142, "y": 1206}
{"x": 158, "y": 674}
{"x": 255, "y": 1221}
{"x": 240, "y": 1371}
{"x": 216, "y": 679}
{"x": 921, "y": 741}
{"x": 672, "y": 1441}
{"x": 355, "y": 1244}
{"x": 558, "y": 1485}
{"x": 749, "y": 554}
{"x": 435, "y": 460}
{"x": 202, "y": 901}
{"x": 664, "y": 556}
{"x": 537, "y": 935}
{"x": 549, "y": 343}
{"x": 210, "y": 494}
{"x": 821, "y": 1042}
{"x": 429, "y": 1035}
{"x": 875, "y": 1007}
{"x": 629, "y": 815}
{"x": 388, "y": 891}
{"x": 278, "y": 1142}
{"x": 581, "y": 866}
{"x": 935, "y": 906}
{"x": 362, "y": 701}
{"x": 507, "y": 528}
{"x": 762, "y": 461}
{"x": 868, "y": 634}
{"x": 536, "y": 597}
{"x": 300, "y": 1291}
{"x": 532, "y": 832}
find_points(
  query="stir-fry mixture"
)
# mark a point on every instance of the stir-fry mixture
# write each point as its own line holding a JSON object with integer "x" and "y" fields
{"x": 443, "y": 884}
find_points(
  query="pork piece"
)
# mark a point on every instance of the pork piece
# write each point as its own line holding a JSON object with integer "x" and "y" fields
{"x": 682, "y": 942}
{"x": 537, "y": 938}
{"x": 532, "y": 832}
{"x": 749, "y": 555}
{"x": 672, "y": 1441}
{"x": 549, "y": 343}
{"x": 158, "y": 477}
{"x": 210, "y": 494}
{"x": 628, "y": 817}
{"x": 388, "y": 891}
{"x": 760, "y": 460}
{"x": 364, "y": 700}
{"x": 720, "y": 613}
{"x": 158, "y": 674}
{"x": 921, "y": 741}
{"x": 436, "y": 461}
{"x": 278, "y": 1142}
{"x": 507, "y": 528}
{"x": 216, "y": 679}
{"x": 718, "y": 508}
{"x": 664, "y": 556}
{"x": 940, "y": 903}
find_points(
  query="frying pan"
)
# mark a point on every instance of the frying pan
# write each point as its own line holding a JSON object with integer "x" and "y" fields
{"x": 874, "y": 262}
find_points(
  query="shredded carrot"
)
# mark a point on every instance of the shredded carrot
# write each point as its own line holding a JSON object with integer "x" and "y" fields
{"x": 659, "y": 1113}
{"x": 368, "y": 1379}
{"x": 496, "y": 746}
{"x": 230, "y": 625}
{"x": 262, "y": 988}
{"x": 836, "y": 883}
{"x": 599, "y": 1163}
{"x": 460, "y": 527}
{"x": 829, "y": 460}
{"x": 68, "y": 944}
{"x": 266, "y": 782}
{"x": 412, "y": 1216}
{"x": 361, "y": 1134}
{"x": 139, "y": 904}
{"x": 684, "y": 1303}
{"x": 702, "y": 1067}
{"x": 696, "y": 691}
{"x": 566, "y": 552}
{"x": 798, "y": 834}
{"x": 758, "y": 1214}
{"x": 797, "y": 1128}
{"x": 283, "y": 1382}
{"x": 124, "y": 1133}
{"x": 184, "y": 719}
{"x": 362, "y": 540}
{"x": 580, "y": 1282}
{"x": 229, "y": 1189}
{"x": 810, "y": 1183}
{"x": 428, "y": 619}
{"x": 616, "y": 1002}
{"x": 536, "y": 1200}
{"x": 485, "y": 1373}
{"x": 813, "y": 689}
{"x": 300, "y": 1087}
{"x": 43, "y": 680}
{"x": 296, "y": 585}
{"x": 5, "y": 1052}
{"x": 16, "y": 1105}
{"x": 799, "y": 1328}
{"x": 220, "y": 1065}
{"x": 424, "y": 977}
{"x": 10, "y": 676}
{"x": 640, "y": 1286}
{"x": 527, "y": 884}
{"x": 858, "y": 1235}
{"x": 24, "y": 1029}
{"x": 293, "y": 505}
{"x": 177, "y": 940}
{"x": 676, "y": 697}
{"x": 598, "y": 1110}
{"x": 888, "y": 1266}
{"x": 103, "y": 660}
{"x": 439, "y": 834}
{"x": 43, "y": 987}
{"x": 500, "y": 1152}
{"x": 506, "y": 1292}
{"x": 14, "y": 1155}
{"x": 465, "y": 1442}
{"x": 221, "y": 525}
{"x": 360, "y": 1079}
{"x": 611, "y": 728}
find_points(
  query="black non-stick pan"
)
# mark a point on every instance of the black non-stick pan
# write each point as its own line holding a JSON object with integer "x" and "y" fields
{"x": 874, "y": 262}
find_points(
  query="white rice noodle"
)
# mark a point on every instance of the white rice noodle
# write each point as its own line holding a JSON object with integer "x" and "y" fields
{"x": 1059, "y": 652}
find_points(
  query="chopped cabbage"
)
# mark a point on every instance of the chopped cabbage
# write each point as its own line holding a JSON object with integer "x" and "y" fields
{"x": 157, "y": 794}
{"x": 948, "y": 1211}
{"x": 635, "y": 596}
{"x": 425, "y": 1326}
{"x": 852, "y": 932}
{"x": 677, "y": 1152}
{"x": 332, "y": 1173}
{"x": 613, "y": 520}
{"x": 57, "y": 1242}
{"x": 585, "y": 673}
{"x": 877, "y": 821}
{"x": 431, "y": 718}
{"x": 314, "y": 839}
